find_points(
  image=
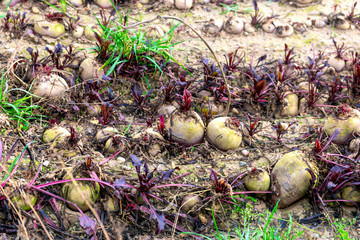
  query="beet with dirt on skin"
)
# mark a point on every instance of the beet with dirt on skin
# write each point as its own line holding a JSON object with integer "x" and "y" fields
{"x": 85, "y": 191}
{"x": 224, "y": 133}
{"x": 52, "y": 133}
{"x": 190, "y": 202}
{"x": 257, "y": 180}
{"x": 153, "y": 138}
{"x": 291, "y": 178}
{"x": 49, "y": 86}
{"x": 104, "y": 134}
{"x": 351, "y": 193}
{"x": 185, "y": 128}
{"x": 115, "y": 143}
{"x": 347, "y": 120}
{"x": 22, "y": 203}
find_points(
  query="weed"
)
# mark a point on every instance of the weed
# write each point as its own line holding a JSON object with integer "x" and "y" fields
{"x": 128, "y": 52}
{"x": 21, "y": 110}
{"x": 341, "y": 225}
{"x": 233, "y": 8}
{"x": 247, "y": 230}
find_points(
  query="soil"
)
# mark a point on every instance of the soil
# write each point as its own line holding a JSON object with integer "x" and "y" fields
{"x": 262, "y": 151}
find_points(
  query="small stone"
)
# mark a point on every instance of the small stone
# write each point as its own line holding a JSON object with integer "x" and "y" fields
{"x": 121, "y": 160}
{"x": 78, "y": 32}
{"x": 104, "y": 3}
{"x": 245, "y": 152}
{"x": 46, "y": 163}
{"x": 235, "y": 111}
{"x": 35, "y": 10}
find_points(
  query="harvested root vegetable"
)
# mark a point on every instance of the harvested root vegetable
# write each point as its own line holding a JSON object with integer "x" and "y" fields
{"x": 104, "y": 3}
{"x": 90, "y": 69}
{"x": 52, "y": 133}
{"x": 190, "y": 202}
{"x": 154, "y": 31}
{"x": 184, "y": 125}
{"x": 151, "y": 140}
{"x": 291, "y": 178}
{"x": 224, "y": 133}
{"x": 320, "y": 22}
{"x": 257, "y": 180}
{"x": 94, "y": 110}
{"x": 72, "y": 193}
{"x": 49, "y": 86}
{"x": 284, "y": 30}
{"x": 63, "y": 141}
{"x": 183, "y": 4}
{"x": 104, "y": 134}
{"x": 112, "y": 205}
{"x": 290, "y": 105}
{"x": 22, "y": 203}
{"x": 347, "y": 120}
{"x": 351, "y": 193}
{"x": 167, "y": 109}
{"x": 339, "y": 21}
{"x": 337, "y": 63}
{"x": 234, "y": 25}
{"x": 213, "y": 26}
{"x": 268, "y": 27}
{"x": 51, "y": 29}
{"x": 63, "y": 145}
{"x": 185, "y": 128}
{"x": 115, "y": 143}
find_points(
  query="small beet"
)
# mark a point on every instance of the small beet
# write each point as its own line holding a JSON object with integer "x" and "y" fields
{"x": 190, "y": 202}
{"x": 257, "y": 180}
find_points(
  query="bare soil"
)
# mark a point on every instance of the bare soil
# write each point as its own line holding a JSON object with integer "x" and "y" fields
{"x": 197, "y": 160}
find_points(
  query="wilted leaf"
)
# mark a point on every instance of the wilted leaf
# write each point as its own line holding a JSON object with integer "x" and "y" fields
{"x": 88, "y": 224}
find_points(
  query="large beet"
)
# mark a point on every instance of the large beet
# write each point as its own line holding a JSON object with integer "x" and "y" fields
{"x": 347, "y": 120}
{"x": 291, "y": 179}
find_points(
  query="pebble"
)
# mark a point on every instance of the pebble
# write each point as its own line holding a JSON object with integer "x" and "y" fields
{"x": 245, "y": 152}
{"x": 120, "y": 160}
{"x": 78, "y": 32}
{"x": 235, "y": 111}
{"x": 35, "y": 10}
{"x": 46, "y": 163}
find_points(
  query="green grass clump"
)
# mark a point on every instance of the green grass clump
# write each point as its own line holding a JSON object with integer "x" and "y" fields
{"x": 247, "y": 230}
{"x": 129, "y": 51}
{"x": 21, "y": 109}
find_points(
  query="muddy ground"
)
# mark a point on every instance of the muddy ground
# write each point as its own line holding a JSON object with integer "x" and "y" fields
{"x": 197, "y": 160}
